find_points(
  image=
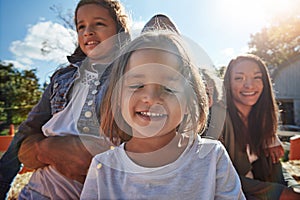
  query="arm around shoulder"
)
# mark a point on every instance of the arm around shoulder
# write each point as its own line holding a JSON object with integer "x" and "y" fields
{"x": 29, "y": 151}
{"x": 31, "y": 132}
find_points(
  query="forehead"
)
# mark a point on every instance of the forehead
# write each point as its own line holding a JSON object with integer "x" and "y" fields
{"x": 92, "y": 11}
{"x": 246, "y": 67}
{"x": 152, "y": 56}
{"x": 156, "y": 64}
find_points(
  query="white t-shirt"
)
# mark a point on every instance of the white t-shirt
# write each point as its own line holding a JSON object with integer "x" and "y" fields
{"x": 203, "y": 171}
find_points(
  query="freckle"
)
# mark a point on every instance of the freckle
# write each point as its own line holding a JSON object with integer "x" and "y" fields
{"x": 99, "y": 166}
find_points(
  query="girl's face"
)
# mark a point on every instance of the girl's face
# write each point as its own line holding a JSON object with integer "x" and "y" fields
{"x": 153, "y": 100}
{"x": 94, "y": 25}
{"x": 246, "y": 84}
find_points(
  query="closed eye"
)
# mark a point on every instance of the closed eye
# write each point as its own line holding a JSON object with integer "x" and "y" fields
{"x": 238, "y": 78}
{"x": 170, "y": 90}
{"x": 137, "y": 86}
{"x": 100, "y": 24}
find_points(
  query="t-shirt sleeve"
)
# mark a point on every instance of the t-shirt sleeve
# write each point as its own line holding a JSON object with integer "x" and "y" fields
{"x": 228, "y": 185}
{"x": 90, "y": 187}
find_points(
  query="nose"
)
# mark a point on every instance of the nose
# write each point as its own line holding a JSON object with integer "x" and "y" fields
{"x": 152, "y": 94}
{"x": 248, "y": 83}
{"x": 89, "y": 31}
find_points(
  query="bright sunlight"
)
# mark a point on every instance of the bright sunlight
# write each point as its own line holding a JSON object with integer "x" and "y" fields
{"x": 258, "y": 11}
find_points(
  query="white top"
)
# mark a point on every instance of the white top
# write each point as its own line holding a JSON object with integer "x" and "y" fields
{"x": 65, "y": 122}
{"x": 47, "y": 181}
{"x": 203, "y": 171}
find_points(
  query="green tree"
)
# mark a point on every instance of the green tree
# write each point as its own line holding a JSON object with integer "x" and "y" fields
{"x": 221, "y": 71}
{"x": 19, "y": 92}
{"x": 278, "y": 42}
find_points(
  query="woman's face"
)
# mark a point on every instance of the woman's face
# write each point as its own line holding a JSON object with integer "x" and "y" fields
{"x": 94, "y": 26}
{"x": 246, "y": 84}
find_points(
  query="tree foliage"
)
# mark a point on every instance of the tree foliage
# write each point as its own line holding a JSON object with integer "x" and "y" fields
{"x": 278, "y": 42}
{"x": 19, "y": 92}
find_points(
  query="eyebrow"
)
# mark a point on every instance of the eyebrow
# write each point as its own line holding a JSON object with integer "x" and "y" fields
{"x": 97, "y": 18}
{"x": 243, "y": 72}
{"x": 137, "y": 76}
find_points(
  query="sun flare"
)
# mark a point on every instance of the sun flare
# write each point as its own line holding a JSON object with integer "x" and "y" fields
{"x": 259, "y": 10}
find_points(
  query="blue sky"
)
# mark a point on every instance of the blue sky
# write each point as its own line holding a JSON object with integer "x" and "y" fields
{"x": 221, "y": 27}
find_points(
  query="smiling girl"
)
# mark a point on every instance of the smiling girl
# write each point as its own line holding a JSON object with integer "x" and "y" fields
{"x": 157, "y": 103}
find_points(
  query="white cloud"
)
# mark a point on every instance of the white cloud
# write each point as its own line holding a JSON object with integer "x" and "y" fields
{"x": 60, "y": 42}
{"x": 16, "y": 64}
{"x": 136, "y": 28}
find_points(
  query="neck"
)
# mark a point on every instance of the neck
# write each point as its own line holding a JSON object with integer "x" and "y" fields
{"x": 104, "y": 58}
{"x": 152, "y": 152}
{"x": 243, "y": 110}
{"x": 151, "y": 144}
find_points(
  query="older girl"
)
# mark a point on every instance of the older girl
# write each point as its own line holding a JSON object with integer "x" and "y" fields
{"x": 61, "y": 133}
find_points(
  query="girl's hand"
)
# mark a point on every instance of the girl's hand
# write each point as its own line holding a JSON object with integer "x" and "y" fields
{"x": 275, "y": 152}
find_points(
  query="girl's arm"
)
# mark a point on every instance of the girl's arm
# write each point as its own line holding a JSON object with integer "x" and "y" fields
{"x": 31, "y": 130}
{"x": 70, "y": 155}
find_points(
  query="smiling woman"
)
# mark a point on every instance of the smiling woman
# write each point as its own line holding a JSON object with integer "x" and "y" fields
{"x": 249, "y": 133}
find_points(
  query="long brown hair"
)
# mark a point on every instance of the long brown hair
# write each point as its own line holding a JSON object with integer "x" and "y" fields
{"x": 161, "y": 40}
{"x": 262, "y": 119}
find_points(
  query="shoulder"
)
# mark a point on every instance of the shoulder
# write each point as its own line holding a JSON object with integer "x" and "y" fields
{"x": 208, "y": 141}
{"x": 208, "y": 146}
{"x": 110, "y": 157}
{"x": 64, "y": 70}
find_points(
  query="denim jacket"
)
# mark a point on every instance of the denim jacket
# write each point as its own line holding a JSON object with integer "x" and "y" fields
{"x": 54, "y": 99}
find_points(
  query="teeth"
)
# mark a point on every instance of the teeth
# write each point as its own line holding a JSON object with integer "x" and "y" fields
{"x": 248, "y": 93}
{"x": 149, "y": 114}
{"x": 92, "y": 42}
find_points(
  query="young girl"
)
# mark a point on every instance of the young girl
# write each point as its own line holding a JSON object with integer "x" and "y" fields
{"x": 157, "y": 103}
{"x": 60, "y": 133}
{"x": 250, "y": 129}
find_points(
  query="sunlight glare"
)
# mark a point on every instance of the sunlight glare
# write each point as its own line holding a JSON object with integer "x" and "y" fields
{"x": 257, "y": 11}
